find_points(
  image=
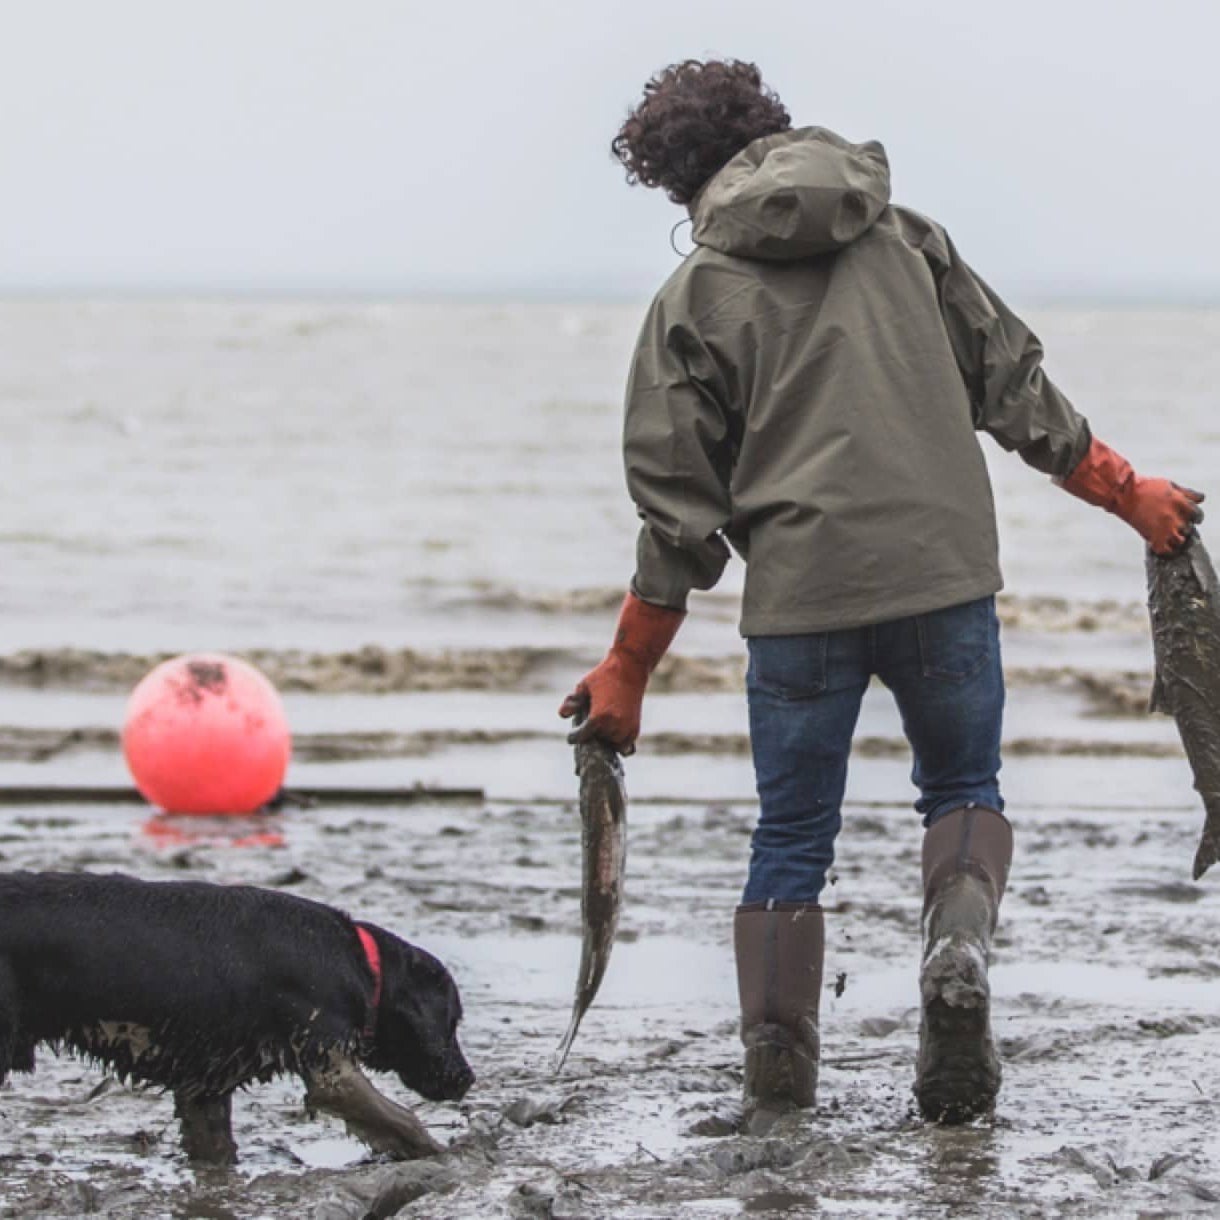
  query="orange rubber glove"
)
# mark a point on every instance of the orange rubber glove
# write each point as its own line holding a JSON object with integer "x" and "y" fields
{"x": 610, "y": 696}
{"x": 1160, "y": 510}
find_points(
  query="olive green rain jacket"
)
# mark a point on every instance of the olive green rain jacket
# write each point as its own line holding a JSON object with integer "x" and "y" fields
{"x": 807, "y": 386}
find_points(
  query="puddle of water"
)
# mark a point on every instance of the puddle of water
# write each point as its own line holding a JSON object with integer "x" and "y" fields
{"x": 334, "y": 1153}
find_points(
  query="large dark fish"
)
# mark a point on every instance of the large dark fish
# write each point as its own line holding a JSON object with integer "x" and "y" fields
{"x": 1184, "y": 602}
{"x": 603, "y": 823}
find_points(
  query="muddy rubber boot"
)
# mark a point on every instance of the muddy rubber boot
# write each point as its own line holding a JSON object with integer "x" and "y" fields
{"x": 779, "y": 979}
{"x": 966, "y": 855}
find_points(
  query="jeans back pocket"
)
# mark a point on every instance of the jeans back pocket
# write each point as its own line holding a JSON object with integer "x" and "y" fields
{"x": 956, "y": 642}
{"x": 788, "y": 666}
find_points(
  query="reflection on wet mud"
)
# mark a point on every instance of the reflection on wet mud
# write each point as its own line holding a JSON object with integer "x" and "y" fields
{"x": 956, "y": 1158}
{"x": 163, "y": 832}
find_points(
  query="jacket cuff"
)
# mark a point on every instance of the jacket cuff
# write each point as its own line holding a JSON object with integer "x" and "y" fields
{"x": 671, "y": 600}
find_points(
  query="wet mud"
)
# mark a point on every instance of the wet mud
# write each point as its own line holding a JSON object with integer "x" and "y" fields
{"x": 41, "y": 745}
{"x": 1104, "y": 1012}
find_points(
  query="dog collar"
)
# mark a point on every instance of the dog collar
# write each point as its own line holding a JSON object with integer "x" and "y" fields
{"x": 373, "y": 954}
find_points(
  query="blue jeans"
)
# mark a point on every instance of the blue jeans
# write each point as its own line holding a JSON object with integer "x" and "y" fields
{"x": 804, "y": 694}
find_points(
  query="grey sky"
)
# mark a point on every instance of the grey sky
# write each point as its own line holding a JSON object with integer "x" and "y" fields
{"x": 390, "y": 146}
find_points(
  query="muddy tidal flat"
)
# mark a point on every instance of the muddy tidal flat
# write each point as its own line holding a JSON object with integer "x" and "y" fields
{"x": 1105, "y": 980}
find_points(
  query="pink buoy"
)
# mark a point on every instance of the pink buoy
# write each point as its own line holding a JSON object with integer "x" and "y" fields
{"x": 206, "y": 734}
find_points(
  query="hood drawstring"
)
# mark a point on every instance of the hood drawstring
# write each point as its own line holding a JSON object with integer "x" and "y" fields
{"x": 673, "y": 245}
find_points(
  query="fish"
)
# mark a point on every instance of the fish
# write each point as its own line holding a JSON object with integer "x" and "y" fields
{"x": 1184, "y": 606}
{"x": 603, "y": 833}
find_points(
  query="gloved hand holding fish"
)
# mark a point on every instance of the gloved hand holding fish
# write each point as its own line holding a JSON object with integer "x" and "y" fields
{"x": 603, "y": 818}
{"x": 605, "y": 707}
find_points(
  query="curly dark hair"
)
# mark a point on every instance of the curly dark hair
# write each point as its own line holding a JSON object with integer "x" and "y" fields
{"x": 694, "y": 117}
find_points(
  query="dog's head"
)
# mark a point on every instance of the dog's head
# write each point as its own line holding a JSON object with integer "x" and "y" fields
{"x": 417, "y": 1020}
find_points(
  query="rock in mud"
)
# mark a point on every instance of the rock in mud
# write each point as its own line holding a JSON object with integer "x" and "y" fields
{"x": 723, "y": 1121}
{"x": 745, "y": 1156}
{"x": 1102, "y": 1166}
{"x": 560, "y": 1198}
{"x": 1203, "y": 1191}
{"x": 527, "y": 1111}
{"x": 533, "y": 1201}
{"x": 57, "y": 1195}
{"x": 376, "y": 1196}
{"x": 1033, "y": 1048}
{"x": 879, "y": 1027}
{"x": 1163, "y": 1164}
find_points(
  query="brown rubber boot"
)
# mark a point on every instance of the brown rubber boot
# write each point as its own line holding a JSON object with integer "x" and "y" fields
{"x": 966, "y": 855}
{"x": 779, "y": 978}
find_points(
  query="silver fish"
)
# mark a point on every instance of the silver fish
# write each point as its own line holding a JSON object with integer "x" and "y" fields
{"x": 603, "y": 822}
{"x": 1184, "y": 603}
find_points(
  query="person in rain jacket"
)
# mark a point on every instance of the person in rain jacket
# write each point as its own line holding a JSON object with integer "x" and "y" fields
{"x": 806, "y": 389}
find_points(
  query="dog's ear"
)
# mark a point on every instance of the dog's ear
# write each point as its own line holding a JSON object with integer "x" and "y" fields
{"x": 436, "y": 980}
{"x": 419, "y": 1000}
{"x": 432, "y": 994}
{"x": 417, "y": 1022}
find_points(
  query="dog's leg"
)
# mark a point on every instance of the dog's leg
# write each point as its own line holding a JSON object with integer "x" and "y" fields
{"x": 207, "y": 1133}
{"x": 339, "y": 1087}
{"x": 7, "y": 1037}
{"x": 11, "y": 1055}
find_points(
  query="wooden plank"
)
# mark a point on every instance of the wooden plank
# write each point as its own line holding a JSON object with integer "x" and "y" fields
{"x": 88, "y": 794}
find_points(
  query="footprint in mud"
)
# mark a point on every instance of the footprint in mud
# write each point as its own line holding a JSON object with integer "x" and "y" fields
{"x": 718, "y": 1122}
{"x": 1161, "y": 891}
{"x": 780, "y": 1203}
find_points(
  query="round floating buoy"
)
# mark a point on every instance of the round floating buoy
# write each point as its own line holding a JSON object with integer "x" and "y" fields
{"x": 206, "y": 734}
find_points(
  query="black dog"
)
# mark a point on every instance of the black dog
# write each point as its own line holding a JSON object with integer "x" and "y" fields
{"x": 202, "y": 989}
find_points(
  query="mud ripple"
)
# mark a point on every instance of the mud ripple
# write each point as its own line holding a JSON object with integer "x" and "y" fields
{"x": 374, "y": 669}
{"x": 36, "y": 745}
{"x": 1024, "y": 612}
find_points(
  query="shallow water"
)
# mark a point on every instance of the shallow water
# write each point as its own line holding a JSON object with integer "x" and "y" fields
{"x": 180, "y": 475}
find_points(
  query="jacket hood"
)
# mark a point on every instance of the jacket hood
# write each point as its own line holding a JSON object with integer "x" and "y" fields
{"x": 793, "y": 195}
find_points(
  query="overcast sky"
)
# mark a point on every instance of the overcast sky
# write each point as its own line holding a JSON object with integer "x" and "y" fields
{"x": 355, "y": 147}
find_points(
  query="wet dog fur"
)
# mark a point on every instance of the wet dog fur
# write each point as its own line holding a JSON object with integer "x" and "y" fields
{"x": 203, "y": 989}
